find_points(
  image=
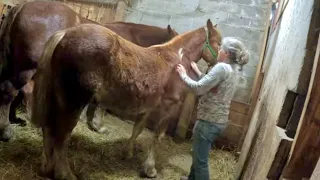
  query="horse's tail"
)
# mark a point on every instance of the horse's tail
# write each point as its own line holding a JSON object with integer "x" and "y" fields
{"x": 42, "y": 100}
{"x": 5, "y": 35}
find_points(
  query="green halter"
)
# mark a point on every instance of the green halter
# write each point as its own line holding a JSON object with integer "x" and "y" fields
{"x": 207, "y": 44}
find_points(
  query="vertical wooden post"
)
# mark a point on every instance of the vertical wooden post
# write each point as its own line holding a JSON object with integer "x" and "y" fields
{"x": 185, "y": 116}
{"x": 120, "y": 11}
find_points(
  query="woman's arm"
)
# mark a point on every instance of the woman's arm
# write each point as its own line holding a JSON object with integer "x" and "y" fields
{"x": 207, "y": 82}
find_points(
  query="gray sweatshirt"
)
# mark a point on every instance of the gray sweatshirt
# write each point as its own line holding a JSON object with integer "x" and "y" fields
{"x": 217, "y": 89}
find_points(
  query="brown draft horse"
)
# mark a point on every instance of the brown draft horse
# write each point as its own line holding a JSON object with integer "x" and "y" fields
{"x": 23, "y": 35}
{"x": 91, "y": 62}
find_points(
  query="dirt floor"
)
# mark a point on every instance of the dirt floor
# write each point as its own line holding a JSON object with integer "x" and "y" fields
{"x": 99, "y": 156}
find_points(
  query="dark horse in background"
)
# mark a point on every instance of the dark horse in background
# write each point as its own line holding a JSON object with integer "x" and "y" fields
{"x": 22, "y": 37}
{"x": 91, "y": 62}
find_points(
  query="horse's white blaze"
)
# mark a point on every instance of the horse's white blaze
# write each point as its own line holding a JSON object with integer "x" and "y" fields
{"x": 180, "y": 53}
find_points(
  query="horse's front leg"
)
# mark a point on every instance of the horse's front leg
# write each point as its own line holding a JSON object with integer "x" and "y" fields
{"x": 137, "y": 129}
{"x": 95, "y": 116}
{"x": 6, "y": 131}
{"x": 149, "y": 169}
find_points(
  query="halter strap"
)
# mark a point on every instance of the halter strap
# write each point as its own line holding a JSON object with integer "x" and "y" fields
{"x": 207, "y": 44}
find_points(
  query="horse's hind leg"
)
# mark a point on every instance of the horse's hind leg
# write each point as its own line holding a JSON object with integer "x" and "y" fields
{"x": 55, "y": 161}
{"x": 137, "y": 129}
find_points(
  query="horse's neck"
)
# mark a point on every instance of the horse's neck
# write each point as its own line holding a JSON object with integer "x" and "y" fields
{"x": 192, "y": 42}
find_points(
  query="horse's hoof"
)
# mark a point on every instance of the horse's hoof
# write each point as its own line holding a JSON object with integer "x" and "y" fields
{"x": 65, "y": 175}
{"x": 127, "y": 155}
{"x": 68, "y": 177}
{"x": 6, "y": 134}
{"x": 103, "y": 130}
{"x": 99, "y": 129}
{"x": 148, "y": 172}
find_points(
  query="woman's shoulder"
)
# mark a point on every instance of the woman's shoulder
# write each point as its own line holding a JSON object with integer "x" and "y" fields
{"x": 222, "y": 66}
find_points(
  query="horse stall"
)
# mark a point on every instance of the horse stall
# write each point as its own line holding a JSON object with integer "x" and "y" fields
{"x": 95, "y": 155}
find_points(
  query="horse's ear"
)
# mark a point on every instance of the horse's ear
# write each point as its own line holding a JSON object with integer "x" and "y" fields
{"x": 216, "y": 26}
{"x": 209, "y": 24}
{"x": 169, "y": 29}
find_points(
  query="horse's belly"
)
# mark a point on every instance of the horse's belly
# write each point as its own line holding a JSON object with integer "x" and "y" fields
{"x": 128, "y": 103}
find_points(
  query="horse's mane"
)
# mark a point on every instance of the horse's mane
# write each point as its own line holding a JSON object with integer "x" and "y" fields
{"x": 180, "y": 37}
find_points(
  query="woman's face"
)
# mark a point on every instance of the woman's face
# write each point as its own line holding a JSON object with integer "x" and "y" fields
{"x": 222, "y": 55}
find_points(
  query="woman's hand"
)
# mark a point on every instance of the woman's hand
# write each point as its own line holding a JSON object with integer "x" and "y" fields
{"x": 181, "y": 70}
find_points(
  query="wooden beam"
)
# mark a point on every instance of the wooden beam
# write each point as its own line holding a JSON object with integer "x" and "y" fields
{"x": 120, "y": 11}
{"x": 306, "y": 146}
{"x": 295, "y": 116}
{"x": 185, "y": 116}
{"x": 281, "y": 156}
{"x": 251, "y": 111}
{"x": 239, "y": 107}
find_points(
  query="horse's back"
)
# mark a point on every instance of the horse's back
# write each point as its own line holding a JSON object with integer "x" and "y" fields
{"x": 33, "y": 26}
{"x": 140, "y": 34}
{"x": 114, "y": 70}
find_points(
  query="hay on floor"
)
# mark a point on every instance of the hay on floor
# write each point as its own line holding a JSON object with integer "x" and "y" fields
{"x": 99, "y": 156}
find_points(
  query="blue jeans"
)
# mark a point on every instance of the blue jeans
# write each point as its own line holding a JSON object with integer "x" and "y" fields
{"x": 205, "y": 133}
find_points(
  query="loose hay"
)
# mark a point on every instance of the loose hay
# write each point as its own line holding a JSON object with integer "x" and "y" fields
{"x": 99, "y": 156}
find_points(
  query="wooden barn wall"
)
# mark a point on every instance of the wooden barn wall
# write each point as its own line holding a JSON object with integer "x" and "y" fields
{"x": 99, "y": 12}
{"x": 287, "y": 70}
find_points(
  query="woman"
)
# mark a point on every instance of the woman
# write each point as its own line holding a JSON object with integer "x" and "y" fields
{"x": 218, "y": 88}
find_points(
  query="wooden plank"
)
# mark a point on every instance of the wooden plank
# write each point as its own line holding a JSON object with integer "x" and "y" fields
{"x": 238, "y": 119}
{"x": 84, "y": 10}
{"x": 185, "y": 116}
{"x": 240, "y": 147}
{"x": 286, "y": 109}
{"x": 281, "y": 156}
{"x": 295, "y": 116}
{"x": 251, "y": 110}
{"x": 232, "y": 133}
{"x": 120, "y": 11}
{"x": 239, "y": 107}
{"x": 306, "y": 146}
{"x": 108, "y": 15}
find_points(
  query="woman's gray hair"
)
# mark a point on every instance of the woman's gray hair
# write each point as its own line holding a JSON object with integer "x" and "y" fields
{"x": 237, "y": 51}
